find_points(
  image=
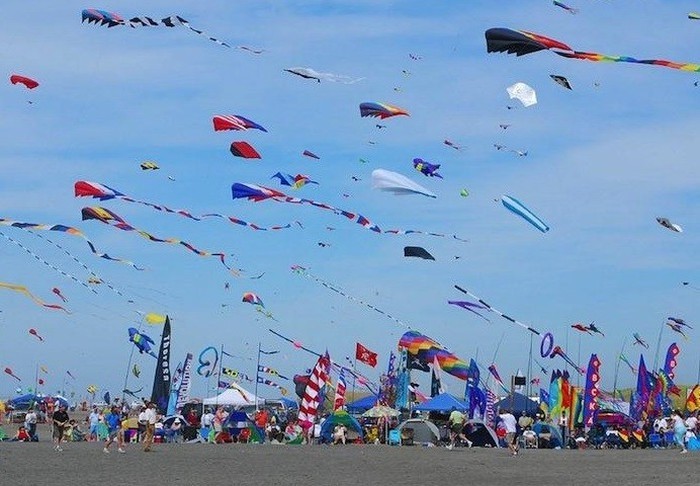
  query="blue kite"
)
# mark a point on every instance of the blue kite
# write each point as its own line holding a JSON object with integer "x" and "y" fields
{"x": 141, "y": 341}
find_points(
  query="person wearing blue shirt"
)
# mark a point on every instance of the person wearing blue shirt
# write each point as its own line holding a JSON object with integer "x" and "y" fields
{"x": 113, "y": 421}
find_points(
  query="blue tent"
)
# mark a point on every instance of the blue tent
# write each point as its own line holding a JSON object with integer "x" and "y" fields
{"x": 291, "y": 404}
{"x": 337, "y": 418}
{"x": 362, "y": 405}
{"x": 517, "y": 404}
{"x": 442, "y": 403}
{"x": 23, "y": 402}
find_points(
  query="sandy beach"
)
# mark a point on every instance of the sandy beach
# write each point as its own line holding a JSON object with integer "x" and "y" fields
{"x": 191, "y": 464}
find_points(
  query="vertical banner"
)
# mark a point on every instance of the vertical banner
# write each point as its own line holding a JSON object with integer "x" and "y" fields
{"x": 183, "y": 393}
{"x": 161, "y": 380}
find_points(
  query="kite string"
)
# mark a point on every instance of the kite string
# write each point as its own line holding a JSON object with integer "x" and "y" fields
{"x": 50, "y": 265}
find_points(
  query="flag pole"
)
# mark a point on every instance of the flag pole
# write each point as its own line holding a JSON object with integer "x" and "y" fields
{"x": 354, "y": 369}
{"x": 257, "y": 378}
{"x": 218, "y": 378}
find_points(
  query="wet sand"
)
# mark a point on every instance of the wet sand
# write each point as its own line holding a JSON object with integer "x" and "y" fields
{"x": 249, "y": 464}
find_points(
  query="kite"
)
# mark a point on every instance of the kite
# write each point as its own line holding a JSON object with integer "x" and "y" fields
{"x": 426, "y": 168}
{"x": 380, "y": 110}
{"x": 581, "y": 328}
{"x": 298, "y": 269}
{"x": 114, "y": 220}
{"x": 245, "y": 150}
{"x": 112, "y": 19}
{"x": 557, "y": 351}
{"x": 153, "y": 318}
{"x": 271, "y": 371}
{"x": 57, "y": 291}
{"x": 561, "y": 81}
{"x": 417, "y": 251}
{"x": 415, "y": 57}
{"x": 234, "y": 122}
{"x": 688, "y": 284}
{"x": 469, "y": 306}
{"x": 64, "y": 229}
{"x": 34, "y": 333}
{"x": 252, "y": 298}
{"x": 667, "y": 224}
{"x": 492, "y": 309}
{"x": 207, "y": 366}
{"x": 28, "y": 83}
{"x": 677, "y": 328}
{"x": 12, "y": 374}
{"x": 103, "y": 193}
{"x": 256, "y": 193}
{"x": 592, "y": 327}
{"x": 136, "y": 371}
{"x": 571, "y": 10}
{"x": 638, "y": 340}
{"x": 524, "y": 93}
{"x": 70, "y": 374}
{"x": 520, "y": 153}
{"x": 309, "y": 73}
{"x": 148, "y": 165}
{"x": 504, "y": 126}
{"x": 520, "y": 43}
{"x": 295, "y": 182}
{"x": 680, "y": 322}
{"x": 496, "y": 376}
{"x": 463, "y": 192}
{"x": 141, "y": 341}
{"x": 518, "y": 208}
{"x": 44, "y": 369}
{"x": 132, "y": 393}
{"x": 694, "y": 16}
{"x": 24, "y": 290}
{"x": 453, "y": 145}
{"x": 426, "y": 350}
{"x": 396, "y": 183}
{"x": 311, "y": 155}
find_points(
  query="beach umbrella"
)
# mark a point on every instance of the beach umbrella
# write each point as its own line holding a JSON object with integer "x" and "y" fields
{"x": 381, "y": 411}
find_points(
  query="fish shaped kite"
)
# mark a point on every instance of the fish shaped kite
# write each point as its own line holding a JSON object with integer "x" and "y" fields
{"x": 36, "y": 334}
{"x": 680, "y": 322}
{"x": 57, "y": 291}
{"x": 677, "y": 328}
{"x": 667, "y": 224}
{"x": 12, "y": 374}
{"x": 234, "y": 122}
{"x": 244, "y": 150}
{"x": 28, "y": 83}
{"x": 638, "y": 340}
{"x": 380, "y": 110}
{"x": 521, "y": 42}
{"x": 386, "y": 180}
{"x": 114, "y": 220}
{"x": 24, "y": 290}
{"x": 561, "y": 81}
{"x": 112, "y": 19}
{"x": 521, "y": 210}
{"x": 523, "y": 93}
{"x": 426, "y": 168}
{"x": 309, "y": 73}
{"x": 141, "y": 341}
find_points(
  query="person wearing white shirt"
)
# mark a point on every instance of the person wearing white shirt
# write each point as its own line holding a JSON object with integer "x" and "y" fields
{"x": 511, "y": 426}
{"x": 30, "y": 422}
{"x": 150, "y": 426}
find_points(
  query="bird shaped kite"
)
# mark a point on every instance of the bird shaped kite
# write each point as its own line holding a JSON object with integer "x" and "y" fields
{"x": 592, "y": 327}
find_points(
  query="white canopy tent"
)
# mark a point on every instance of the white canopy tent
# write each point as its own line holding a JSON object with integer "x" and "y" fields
{"x": 237, "y": 397}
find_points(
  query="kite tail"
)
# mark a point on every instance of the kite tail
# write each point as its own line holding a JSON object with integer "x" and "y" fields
{"x": 177, "y": 20}
{"x": 24, "y": 290}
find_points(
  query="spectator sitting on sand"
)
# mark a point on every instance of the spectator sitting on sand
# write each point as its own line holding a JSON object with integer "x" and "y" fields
{"x": 22, "y": 435}
{"x": 339, "y": 434}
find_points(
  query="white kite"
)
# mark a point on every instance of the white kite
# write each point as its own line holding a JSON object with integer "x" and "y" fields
{"x": 309, "y": 73}
{"x": 386, "y": 180}
{"x": 524, "y": 93}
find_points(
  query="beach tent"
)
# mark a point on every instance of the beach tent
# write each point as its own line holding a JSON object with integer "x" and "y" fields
{"x": 517, "y": 403}
{"x": 289, "y": 403}
{"x": 481, "y": 434}
{"x": 361, "y": 405}
{"x": 23, "y": 402}
{"x": 233, "y": 397}
{"x": 424, "y": 431}
{"x": 339, "y": 417}
{"x": 543, "y": 427}
{"x": 442, "y": 403}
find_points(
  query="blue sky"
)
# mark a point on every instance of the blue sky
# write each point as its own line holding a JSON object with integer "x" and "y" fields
{"x": 604, "y": 161}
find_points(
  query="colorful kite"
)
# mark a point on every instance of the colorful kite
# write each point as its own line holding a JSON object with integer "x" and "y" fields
{"x": 666, "y": 223}
{"x": 234, "y": 122}
{"x": 112, "y": 19}
{"x": 114, "y": 220}
{"x": 523, "y": 93}
{"x": 244, "y": 150}
{"x": 12, "y": 374}
{"x": 571, "y": 10}
{"x": 208, "y": 361}
{"x": 558, "y": 351}
{"x": 492, "y": 309}
{"x": 638, "y": 340}
{"x": 103, "y": 193}
{"x": 520, "y": 42}
{"x": 427, "y": 350}
{"x": 580, "y": 327}
{"x": 386, "y": 180}
{"x": 64, "y": 229}
{"x": 28, "y": 83}
{"x": 34, "y": 333}
{"x": 426, "y": 168}
{"x": 309, "y": 73}
{"x": 295, "y": 182}
{"x": 141, "y": 341}
{"x": 469, "y": 306}
{"x": 256, "y": 193}
{"x": 252, "y": 298}
{"x": 24, "y": 290}
{"x": 380, "y": 110}
{"x": 519, "y": 208}
{"x": 561, "y": 81}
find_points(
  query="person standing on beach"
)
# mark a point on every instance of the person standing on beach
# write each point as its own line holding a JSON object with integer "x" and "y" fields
{"x": 679, "y": 430}
{"x": 150, "y": 426}
{"x": 113, "y": 420}
{"x": 94, "y": 421}
{"x": 511, "y": 427}
{"x": 30, "y": 422}
{"x": 60, "y": 420}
